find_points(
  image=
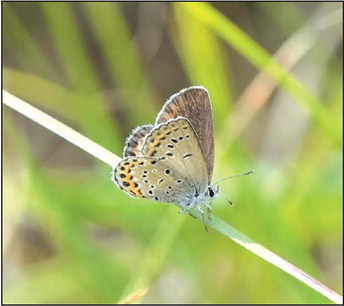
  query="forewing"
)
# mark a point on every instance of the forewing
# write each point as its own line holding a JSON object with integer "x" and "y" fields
{"x": 193, "y": 103}
{"x": 175, "y": 142}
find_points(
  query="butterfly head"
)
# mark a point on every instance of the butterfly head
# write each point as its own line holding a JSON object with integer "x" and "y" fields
{"x": 211, "y": 192}
{"x": 204, "y": 198}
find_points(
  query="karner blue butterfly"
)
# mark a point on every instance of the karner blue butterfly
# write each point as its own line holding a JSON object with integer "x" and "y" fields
{"x": 172, "y": 160}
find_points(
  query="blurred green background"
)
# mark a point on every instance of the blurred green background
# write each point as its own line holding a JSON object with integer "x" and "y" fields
{"x": 71, "y": 236}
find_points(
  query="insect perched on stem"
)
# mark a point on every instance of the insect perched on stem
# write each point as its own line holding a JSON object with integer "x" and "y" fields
{"x": 172, "y": 161}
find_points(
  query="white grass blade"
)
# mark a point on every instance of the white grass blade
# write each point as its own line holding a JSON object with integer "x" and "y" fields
{"x": 60, "y": 129}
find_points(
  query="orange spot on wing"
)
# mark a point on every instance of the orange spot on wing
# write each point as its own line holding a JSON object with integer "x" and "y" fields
{"x": 137, "y": 192}
{"x": 132, "y": 187}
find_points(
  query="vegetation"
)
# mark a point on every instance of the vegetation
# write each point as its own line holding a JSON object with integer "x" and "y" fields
{"x": 274, "y": 73}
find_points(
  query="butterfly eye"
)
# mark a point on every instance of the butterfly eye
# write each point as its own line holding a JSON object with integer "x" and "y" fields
{"x": 211, "y": 192}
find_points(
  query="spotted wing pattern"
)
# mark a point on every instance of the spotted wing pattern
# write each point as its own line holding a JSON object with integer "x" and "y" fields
{"x": 176, "y": 143}
{"x": 134, "y": 142}
{"x": 151, "y": 178}
{"x": 171, "y": 169}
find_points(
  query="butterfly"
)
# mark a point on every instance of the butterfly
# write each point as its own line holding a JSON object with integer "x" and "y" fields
{"x": 172, "y": 160}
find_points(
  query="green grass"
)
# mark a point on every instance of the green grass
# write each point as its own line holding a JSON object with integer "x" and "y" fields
{"x": 96, "y": 244}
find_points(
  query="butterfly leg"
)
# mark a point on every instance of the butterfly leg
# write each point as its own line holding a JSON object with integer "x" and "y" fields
{"x": 201, "y": 211}
{"x": 184, "y": 210}
{"x": 203, "y": 214}
{"x": 209, "y": 208}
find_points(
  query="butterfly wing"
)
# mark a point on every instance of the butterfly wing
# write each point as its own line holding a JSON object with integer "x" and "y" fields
{"x": 134, "y": 142}
{"x": 171, "y": 169}
{"x": 151, "y": 178}
{"x": 193, "y": 103}
{"x": 175, "y": 142}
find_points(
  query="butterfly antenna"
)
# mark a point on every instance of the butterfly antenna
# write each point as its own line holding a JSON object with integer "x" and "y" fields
{"x": 230, "y": 202}
{"x": 233, "y": 176}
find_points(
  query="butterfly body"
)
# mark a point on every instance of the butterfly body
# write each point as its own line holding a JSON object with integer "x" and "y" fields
{"x": 172, "y": 161}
